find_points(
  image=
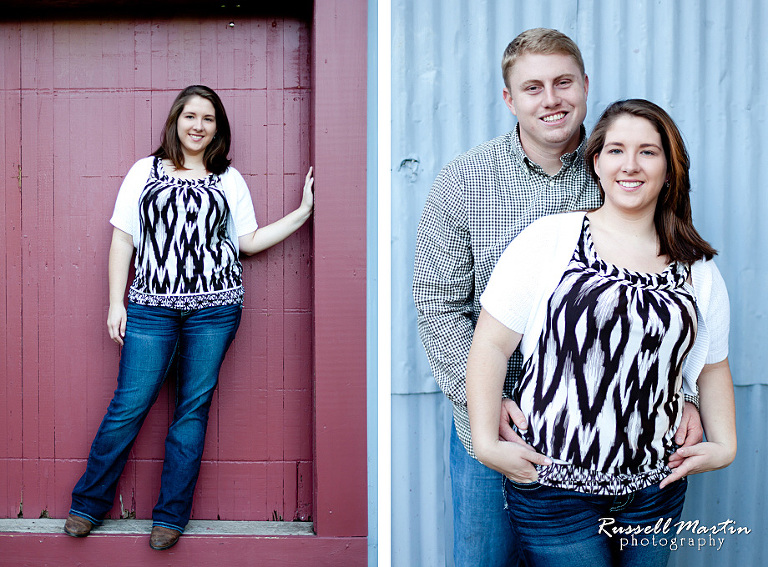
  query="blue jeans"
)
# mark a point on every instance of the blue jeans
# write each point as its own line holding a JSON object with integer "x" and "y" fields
{"x": 154, "y": 337}
{"x": 564, "y": 527}
{"x": 481, "y": 531}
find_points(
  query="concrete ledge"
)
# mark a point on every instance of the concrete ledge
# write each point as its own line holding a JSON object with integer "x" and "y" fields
{"x": 142, "y": 527}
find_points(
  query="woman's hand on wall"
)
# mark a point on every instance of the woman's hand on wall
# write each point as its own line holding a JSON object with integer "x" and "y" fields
{"x": 308, "y": 197}
{"x": 267, "y": 236}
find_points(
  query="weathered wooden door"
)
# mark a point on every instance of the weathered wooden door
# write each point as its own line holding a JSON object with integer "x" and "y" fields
{"x": 81, "y": 101}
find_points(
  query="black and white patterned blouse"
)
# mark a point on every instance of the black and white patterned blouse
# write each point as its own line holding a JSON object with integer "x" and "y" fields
{"x": 602, "y": 390}
{"x": 184, "y": 258}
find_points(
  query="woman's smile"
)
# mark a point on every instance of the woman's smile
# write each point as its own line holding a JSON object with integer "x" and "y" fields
{"x": 632, "y": 166}
{"x": 196, "y": 126}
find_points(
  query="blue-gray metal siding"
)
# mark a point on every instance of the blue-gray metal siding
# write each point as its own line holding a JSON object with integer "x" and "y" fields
{"x": 706, "y": 63}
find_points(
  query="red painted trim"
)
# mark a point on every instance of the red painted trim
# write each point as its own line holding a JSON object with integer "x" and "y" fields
{"x": 339, "y": 145}
{"x": 133, "y": 551}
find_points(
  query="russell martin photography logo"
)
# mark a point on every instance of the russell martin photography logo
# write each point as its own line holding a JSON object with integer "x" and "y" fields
{"x": 684, "y": 533}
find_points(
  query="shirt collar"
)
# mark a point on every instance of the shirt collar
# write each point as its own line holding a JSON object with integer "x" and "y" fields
{"x": 567, "y": 159}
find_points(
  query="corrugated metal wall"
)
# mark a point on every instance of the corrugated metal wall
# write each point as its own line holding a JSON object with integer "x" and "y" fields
{"x": 706, "y": 63}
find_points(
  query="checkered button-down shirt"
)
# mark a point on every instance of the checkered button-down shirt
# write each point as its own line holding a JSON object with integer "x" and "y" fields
{"x": 479, "y": 202}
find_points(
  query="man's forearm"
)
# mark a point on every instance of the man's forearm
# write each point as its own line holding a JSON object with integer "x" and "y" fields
{"x": 446, "y": 338}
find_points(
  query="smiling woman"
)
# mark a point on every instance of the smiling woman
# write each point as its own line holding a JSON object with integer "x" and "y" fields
{"x": 646, "y": 125}
{"x": 184, "y": 211}
{"x": 196, "y": 136}
{"x": 617, "y": 329}
{"x": 631, "y": 167}
{"x": 196, "y": 126}
{"x": 632, "y": 170}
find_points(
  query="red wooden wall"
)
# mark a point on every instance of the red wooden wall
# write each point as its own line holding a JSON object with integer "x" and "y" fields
{"x": 339, "y": 52}
{"x": 82, "y": 100}
{"x": 336, "y": 420}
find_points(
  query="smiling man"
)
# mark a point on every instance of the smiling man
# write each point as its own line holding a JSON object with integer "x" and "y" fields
{"x": 479, "y": 202}
{"x": 548, "y": 94}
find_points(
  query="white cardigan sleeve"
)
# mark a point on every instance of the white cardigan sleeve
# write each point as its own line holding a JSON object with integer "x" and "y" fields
{"x": 713, "y": 313}
{"x": 242, "y": 215}
{"x": 718, "y": 318}
{"x": 528, "y": 272}
{"x": 510, "y": 294}
{"x": 126, "y": 213}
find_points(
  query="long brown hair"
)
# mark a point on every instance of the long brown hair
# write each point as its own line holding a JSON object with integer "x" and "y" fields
{"x": 215, "y": 155}
{"x": 678, "y": 239}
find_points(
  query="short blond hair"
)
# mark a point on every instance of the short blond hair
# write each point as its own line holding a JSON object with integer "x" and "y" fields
{"x": 541, "y": 41}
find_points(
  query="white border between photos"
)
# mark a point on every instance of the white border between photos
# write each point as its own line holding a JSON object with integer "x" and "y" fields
{"x": 384, "y": 206}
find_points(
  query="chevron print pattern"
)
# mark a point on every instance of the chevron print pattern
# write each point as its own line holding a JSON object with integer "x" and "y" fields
{"x": 602, "y": 390}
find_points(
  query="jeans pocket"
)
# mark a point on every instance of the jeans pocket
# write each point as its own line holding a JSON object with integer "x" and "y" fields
{"x": 523, "y": 486}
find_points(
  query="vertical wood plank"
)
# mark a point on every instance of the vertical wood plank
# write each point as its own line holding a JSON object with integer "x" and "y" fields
{"x": 206, "y": 499}
{"x": 160, "y": 52}
{"x": 147, "y": 487}
{"x": 275, "y": 210}
{"x": 69, "y": 362}
{"x": 304, "y": 491}
{"x": 38, "y": 267}
{"x": 11, "y": 403}
{"x": 290, "y": 481}
{"x": 227, "y": 40}
{"x": 275, "y": 497}
{"x": 297, "y": 274}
